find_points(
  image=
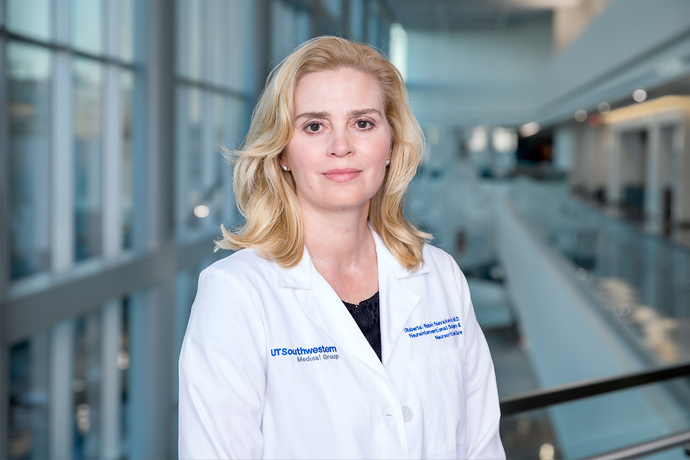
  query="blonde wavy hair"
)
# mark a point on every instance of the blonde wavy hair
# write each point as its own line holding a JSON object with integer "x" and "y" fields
{"x": 266, "y": 194}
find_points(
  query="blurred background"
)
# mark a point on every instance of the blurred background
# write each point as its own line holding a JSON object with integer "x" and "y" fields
{"x": 557, "y": 172}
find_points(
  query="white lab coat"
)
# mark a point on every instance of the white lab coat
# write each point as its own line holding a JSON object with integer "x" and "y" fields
{"x": 274, "y": 366}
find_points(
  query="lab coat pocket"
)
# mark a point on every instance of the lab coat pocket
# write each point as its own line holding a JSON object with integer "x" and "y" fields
{"x": 440, "y": 379}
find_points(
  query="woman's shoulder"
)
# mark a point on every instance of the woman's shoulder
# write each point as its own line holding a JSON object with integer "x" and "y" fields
{"x": 435, "y": 256}
{"x": 240, "y": 265}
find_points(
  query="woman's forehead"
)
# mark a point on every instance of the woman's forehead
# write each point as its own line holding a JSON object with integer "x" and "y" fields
{"x": 345, "y": 88}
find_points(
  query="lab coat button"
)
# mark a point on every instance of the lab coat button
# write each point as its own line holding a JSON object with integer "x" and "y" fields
{"x": 407, "y": 413}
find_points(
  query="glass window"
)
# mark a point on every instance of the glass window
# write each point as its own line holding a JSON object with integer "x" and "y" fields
{"x": 302, "y": 26}
{"x": 30, "y": 17}
{"x": 373, "y": 24}
{"x": 123, "y": 363}
{"x": 127, "y": 186}
{"x": 239, "y": 55}
{"x": 218, "y": 188}
{"x": 189, "y": 38}
{"x": 357, "y": 19}
{"x": 334, "y": 7}
{"x": 232, "y": 139}
{"x": 87, "y": 25}
{"x": 86, "y": 386}
{"x": 126, "y": 35}
{"x": 218, "y": 43}
{"x": 29, "y": 85}
{"x": 28, "y": 399}
{"x": 87, "y": 77}
{"x": 189, "y": 156}
{"x": 283, "y": 20}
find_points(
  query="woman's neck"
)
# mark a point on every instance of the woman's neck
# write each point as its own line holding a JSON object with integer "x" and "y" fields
{"x": 343, "y": 251}
{"x": 338, "y": 240}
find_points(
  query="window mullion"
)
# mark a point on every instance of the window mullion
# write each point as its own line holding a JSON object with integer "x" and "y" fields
{"x": 208, "y": 171}
{"x": 4, "y": 236}
{"x": 61, "y": 400}
{"x": 182, "y": 154}
{"x": 111, "y": 314}
{"x": 207, "y": 111}
{"x": 111, "y": 388}
{"x": 112, "y": 163}
{"x": 62, "y": 171}
{"x": 4, "y": 187}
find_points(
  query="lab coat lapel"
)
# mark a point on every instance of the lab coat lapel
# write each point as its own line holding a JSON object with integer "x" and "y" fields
{"x": 327, "y": 311}
{"x": 397, "y": 300}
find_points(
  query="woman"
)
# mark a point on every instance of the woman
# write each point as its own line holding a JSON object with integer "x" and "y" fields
{"x": 333, "y": 331}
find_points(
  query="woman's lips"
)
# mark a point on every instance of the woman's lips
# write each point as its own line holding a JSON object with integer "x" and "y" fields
{"x": 342, "y": 175}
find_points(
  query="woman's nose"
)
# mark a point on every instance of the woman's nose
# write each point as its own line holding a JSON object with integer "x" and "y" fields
{"x": 341, "y": 143}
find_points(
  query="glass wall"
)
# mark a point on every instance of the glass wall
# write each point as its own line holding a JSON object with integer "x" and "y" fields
{"x": 114, "y": 182}
{"x": 60, "y": 88}
{"x": 211, "y": 100}
{"x": 29, "y": 82}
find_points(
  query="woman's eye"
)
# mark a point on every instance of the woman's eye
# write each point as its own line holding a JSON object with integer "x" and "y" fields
{"x": 363, "y": 124}
{"x": 314, "y": 127}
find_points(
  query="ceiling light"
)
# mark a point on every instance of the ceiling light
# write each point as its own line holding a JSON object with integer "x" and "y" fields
{"x": 639, "y": 95}
{"x": 604, "y": 108}
{"x": 201, "y": 211}
{"x": 529, "y": 129}
{"x": 504, "y": 140}
{"x": 581, "y": 115}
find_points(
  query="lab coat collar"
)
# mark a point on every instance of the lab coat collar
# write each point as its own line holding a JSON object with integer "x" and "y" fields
{"x": 301, "y": 276}
{"x": 397, "y": 301}
{"x": 297, "y": 277}
{"x": 388, "y": 260}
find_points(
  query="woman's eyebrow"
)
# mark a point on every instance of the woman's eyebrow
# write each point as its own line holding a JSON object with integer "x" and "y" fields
{"x": 313, "y": 115}
{"x": 360, "y": 112}
{"x": 351, "y": 113}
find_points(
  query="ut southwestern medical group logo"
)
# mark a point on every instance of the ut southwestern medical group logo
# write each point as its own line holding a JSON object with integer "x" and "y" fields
{"x": 308, "y": 354}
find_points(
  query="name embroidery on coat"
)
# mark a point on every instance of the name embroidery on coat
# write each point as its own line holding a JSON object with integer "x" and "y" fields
{"x": 439, "y": 329}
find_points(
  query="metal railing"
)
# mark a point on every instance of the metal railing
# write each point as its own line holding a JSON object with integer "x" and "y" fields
{"x": 576, "y": 391}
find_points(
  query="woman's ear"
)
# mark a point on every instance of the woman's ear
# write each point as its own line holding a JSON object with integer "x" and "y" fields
{"x": 282, "y": 161}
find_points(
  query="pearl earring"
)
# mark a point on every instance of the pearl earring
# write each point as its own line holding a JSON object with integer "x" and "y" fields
{"x": 285, "y": 168}
{"x": 388, "y": 161}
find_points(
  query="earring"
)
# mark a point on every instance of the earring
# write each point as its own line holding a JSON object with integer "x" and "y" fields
{"x": 285, "y": 168}
{"x": 388, "y": 161}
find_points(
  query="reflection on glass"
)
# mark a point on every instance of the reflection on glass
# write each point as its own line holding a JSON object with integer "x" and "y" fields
{"x": 28, "y": 81}
{"x": 87, "y": 25}
{"x": 87, "y": 77}
{"x": 127, "y": 186}
{"x": 31, "y": 17}
{"x": 642, "y": 281}
{"x": 86, "y": 386}
{"x": 28, "y": 399}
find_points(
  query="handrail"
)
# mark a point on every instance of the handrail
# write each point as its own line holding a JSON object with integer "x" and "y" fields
{"x": 571, "y": 392}
{"x": 646, "y": 448}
